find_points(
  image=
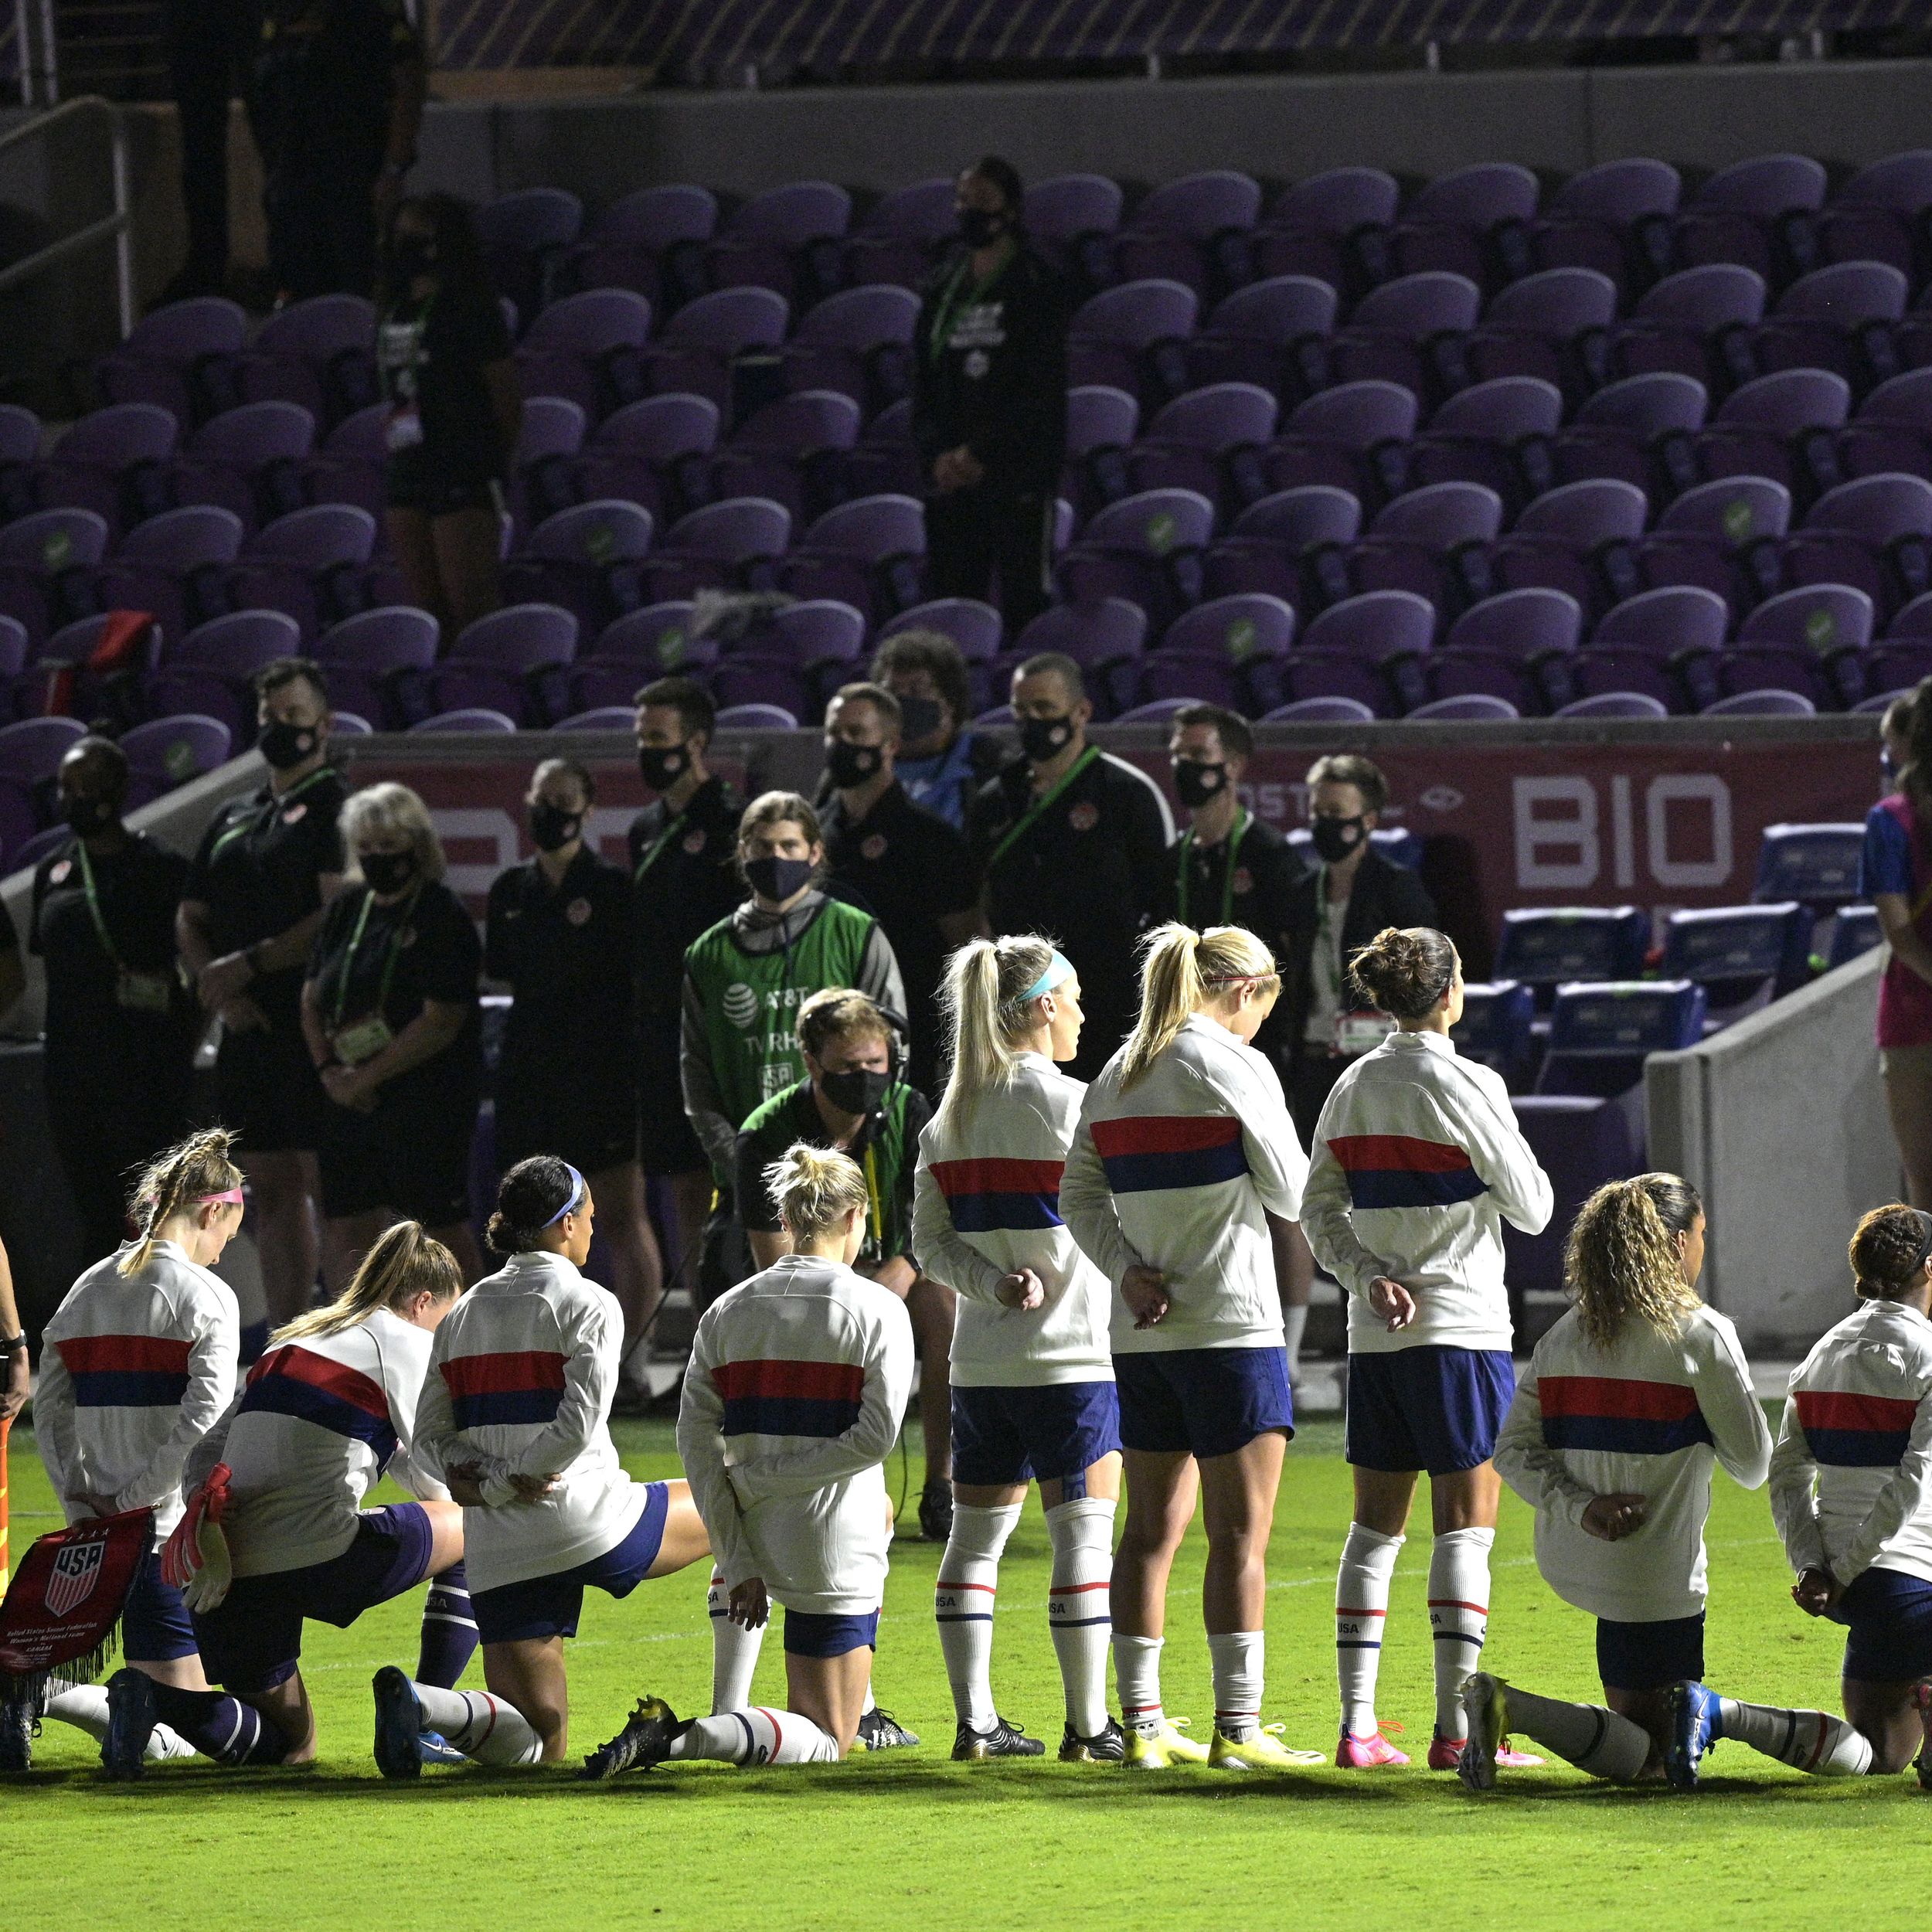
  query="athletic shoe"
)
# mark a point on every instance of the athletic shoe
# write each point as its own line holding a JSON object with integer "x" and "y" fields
{"x": 1264, "y": 1751}
{"x": 398, "y": 1725}
{"x": 433, "y": 1748}
{"x": 1694, "y": 1728}
{"x": 644, "y": 1741}
{"x": 1485, "y": 1704}
{"x": 936, "y": 1512}
{"x": 1003, "y": 1740}
{"x": 131, "y": 1719}
{"x": 1108, "y": 1747}
{"x": 1445, "y": 1754}
{"x": 1165, "y": 1749}
{"x": 16, "y": 1736}
{"x": 880, "y": 1731}
{"x": 1373, "y": 1753}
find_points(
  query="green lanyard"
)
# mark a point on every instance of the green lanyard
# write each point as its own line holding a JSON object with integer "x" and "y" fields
{"x": 94, "y": 907}
{"x": 274, "y": 804}
{"x": 950, "y": 304}
{"x": 1027, "y": 821}
{"x": 663, "y": 838}
{"x": 1243, "y": 819}
{"x": 356, "y": 946}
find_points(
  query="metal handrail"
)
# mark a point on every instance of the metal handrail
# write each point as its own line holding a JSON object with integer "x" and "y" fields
{"x": 119, "y": 225}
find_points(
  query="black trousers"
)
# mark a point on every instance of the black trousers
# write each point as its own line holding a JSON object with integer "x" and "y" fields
{"x": 211, "y": 45}
{"x": 321, "y": 229}
{"x": 104, "y": 1133}
{"x": 973, "y": 535}
{"x": 1310, "y": 1081}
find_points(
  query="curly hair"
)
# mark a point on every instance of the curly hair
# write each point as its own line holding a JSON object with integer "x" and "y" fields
{"x": 1889, "y": 1248}
{"x": 1622, "y": 1263}
{"x": 1405, "y": 969}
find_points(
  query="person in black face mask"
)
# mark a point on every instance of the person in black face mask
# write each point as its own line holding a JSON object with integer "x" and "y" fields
{"x": 684, "y": 878}
{"x": 989, "y": 403}
{"x": 389, "y": 1018}
{"x": 557, "y": 934}
{"x": 1072, "y": 843}
{"x": 267, "y": 865}
{"x": 852, "y": 1098}
{"x": 450, "y": 387}
{"x": 911, "y": 869}
{"x": 940, "y": 763}
{"x": 120, "y": 1021}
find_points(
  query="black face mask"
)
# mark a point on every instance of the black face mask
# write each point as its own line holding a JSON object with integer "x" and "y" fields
{"x": 858, "y": 1090}
{"x": 849, "y": 765}
{"x": 919, "y": 718}
{"x": 287, "y": 745}
{"x": 777, "y": 879}
{"x": 662, "y": 766}
{"x": 981, "y": 227}
{"x": 1334, "y": 839}
{"x": 410, "y": 256}
{"x": 552, "y": 827}
{"x": 87, "y": 816}
{"x": 1888, "y": 767}
{"x": 1197, "y": 781}
{"x": 1044, "y": 739}
{"x": 388, "y": 872}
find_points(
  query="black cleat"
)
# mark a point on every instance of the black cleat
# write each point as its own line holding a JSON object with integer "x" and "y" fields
{"x": 936, "y": 1512}
{"x": 644, "y": 1741}
{"x": 1003, "y": 1740}
{"x": 880, "y": 1731}
{"x": 131, "y": 1719}
{"x": 398, "y": 1725}
{"x": 17, "y": 1728}
{"x": 1110, "y": 1747}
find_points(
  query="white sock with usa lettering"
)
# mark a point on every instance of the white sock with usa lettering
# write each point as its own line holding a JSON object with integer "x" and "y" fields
{"x": 1361, "y": 1614}
{"x": 1458, "y": 1618}
{"x": 963, "y": 1601}
{"x": 756, "y": 1736}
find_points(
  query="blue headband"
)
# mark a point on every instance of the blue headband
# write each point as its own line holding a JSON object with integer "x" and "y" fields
{"x": 575, "y": 1199}
{"x": 1058, "y": 971}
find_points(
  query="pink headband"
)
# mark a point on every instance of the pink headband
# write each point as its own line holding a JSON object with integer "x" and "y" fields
{"x": 232, "y": 1194}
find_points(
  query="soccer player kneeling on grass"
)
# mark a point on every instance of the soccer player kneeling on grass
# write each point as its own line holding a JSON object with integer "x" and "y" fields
{"x": 797, "y": 1383}
{"x": 1629, "y": 1400}
{"x": 1851, "y": 1491}
{"x": 515, "y": 1415}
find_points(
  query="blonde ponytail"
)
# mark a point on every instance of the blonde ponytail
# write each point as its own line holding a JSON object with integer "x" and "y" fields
{"x": 175, "y": 1183}
{"x": 404, "y": 1262}
{"x": 1621, "y": 1262}
{"x": 984, "y": 997}
{"x": 1181, "y": 971}
{"x": 814, "y": 1188}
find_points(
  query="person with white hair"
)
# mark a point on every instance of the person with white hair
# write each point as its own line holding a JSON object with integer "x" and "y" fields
{"x": 390, "y": 1013}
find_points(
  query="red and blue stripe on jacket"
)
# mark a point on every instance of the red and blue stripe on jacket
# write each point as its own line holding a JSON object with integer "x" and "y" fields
{"x": 768, "y": 1398}
{"x": 126, "y": 1371}
{"x": 989, "y": 1196}
{"x": 522, "y": 1385}
{"x": 1855, "y": 1432}
{"x": 294, "y": 1381}
{"x": 1619, "y": 1416}
{"x": 1403, "y": 1171}
{"x": 1153, "y": 1153}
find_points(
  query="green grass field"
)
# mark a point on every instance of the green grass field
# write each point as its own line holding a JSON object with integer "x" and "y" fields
{"x": 910, "y": 1839}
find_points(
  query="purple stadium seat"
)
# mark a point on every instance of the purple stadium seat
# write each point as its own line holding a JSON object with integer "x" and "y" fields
{"x": 608, "y": 717}
{"x": 574, "y": 349}
{"x": 1492, "y": 434}
{"x": 1823, "y": 319}
{"x": 1878, "y": 214}
{"x": 20, "y": 434}
{"x": 1562, "y": 539}
{"x": 1380, "y": 634}
{"x": 902, "y": 235}
{"x": 320, "y": 353}
{"x": 113, "y": 462}
{"x": 1187, "y": 443}
{"x": 1159, "y": 711}
{"x": 1722, "y": 535}
{"x": 1614, "y": 704}
{"x": 313, "y": 563}
{"x": 1897, "y": 664}
{"x": 1418, "y": 542}
{"x": 869, "y": 553}
{"x": 1544, "y": 326}
{"x": 1114, "y": 334}
{"x": 1738, "y": 213}
{"x": 175, "y": 564}
{"x": 348, "y": 467}
{"x": 1762, "y": 426}
{"x": 248, "y": 460}
{"x": 210, "y": 672}
{"x": 516, "y": 657}
{"x": 755, "y": 717}
{"x": 1469, "y": 707}
{"x": 819, "y": 633}
{"x": 858, "y": 342}
{"x": 1172, "y": 228}
{"x": 652, "y": 453}
{"x": 1789, "y": 641}
{"x": 1263, "y": 552}
{"x": 641, "y": 242}
{"x": 1394, "y": 332}
{"x": 640, "y": 646}
{"x": 1452, "y": 223}
{"x": 1309, "y": 229}
{"x": 169, "y": 354}
{"x": 374, "y": 661}
{"x": 1580, "y": 1142}
{"x": 31, "y": 750}
{"x": 1496, "y": 647}
{"x": 467, "y": 718}
{"x": 47, "y": 562}
{"x": 1638, "y": 430}
{"x": 578, "y": 558}
{"x": 1134, "y": 548}
{"x": 1874, "y": 532}
{"x": 1613, "y": 218}
{"x": 694, "y": 351}
{"x": 1666, "y": 622}
{"x": 521, "y": 233}
{"x": 1251, "y": 334}
{"x": 787, "y": 239}
{"x": 1601, "y": 670}
{"x": 718, "y": 546}
{"x": 1762, "y": 702}
{"x": 1696, "y": 321}
{"x": 1339, "y": 437}
{"x": 1099, "y": 416}
{"x": 1072, "y": 218}
{"x": 168, "y": 751}
{"x": 1104, "y": 637}
{"x": 788, "y": 451}
{"x": 1216, "y": 651}
{"x": 976, "y": 627}
{"x": 1322, "y": 711}
{"x": 1893, "y": 430}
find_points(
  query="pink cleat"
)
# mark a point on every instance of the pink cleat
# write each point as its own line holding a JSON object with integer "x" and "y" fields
{"x": 1445, "y": 1754}
{"x": 1373, "y": 1753}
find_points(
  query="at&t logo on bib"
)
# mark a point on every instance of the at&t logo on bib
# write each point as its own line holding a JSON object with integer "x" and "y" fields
{"x": 740, "y": 1004}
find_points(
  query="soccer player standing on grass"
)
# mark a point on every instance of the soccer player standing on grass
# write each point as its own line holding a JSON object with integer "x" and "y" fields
{"x": 1629, "y": 1399}
{"x": 1851, "y": 1491}
{"x": 515, "y": 1415}
{"x": 1184, "y": 1148}
{"x": 1417, "y": 1163}
{"x": 1033, "y": 1395}
{"x": 793, "y": 1399}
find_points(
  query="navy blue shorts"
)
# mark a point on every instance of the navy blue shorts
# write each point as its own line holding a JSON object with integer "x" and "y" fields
{"x": 1641, "y": 1657}
{"x": 809, "y": 1634}
{"x": 1889, "y": 1616}
{"x": 550, "y": 1606}
{"x": 155, "y": 1627}
{"x": 1008, "y": 1435}
{"x": 1202, "y": 1402}
{"x": 254, "y": 1641}
{"x": 1427, "y": 1408}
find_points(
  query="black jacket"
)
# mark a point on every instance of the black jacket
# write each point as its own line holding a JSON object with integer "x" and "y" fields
{"x": 989, "y": 370}
{"x": 1384, "y": 895}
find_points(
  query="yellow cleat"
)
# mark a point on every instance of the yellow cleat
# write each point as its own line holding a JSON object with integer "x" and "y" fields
{"x": 1165, "y": 1749}
{"x": 1263, "y": 1752}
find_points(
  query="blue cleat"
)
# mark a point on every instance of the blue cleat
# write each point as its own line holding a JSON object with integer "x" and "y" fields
{"x": 398, "y": 1725}
{"x": 433, "y": 1748}
{"x": 1694, "y": 1729}
{"x": 131, "y": 1719}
